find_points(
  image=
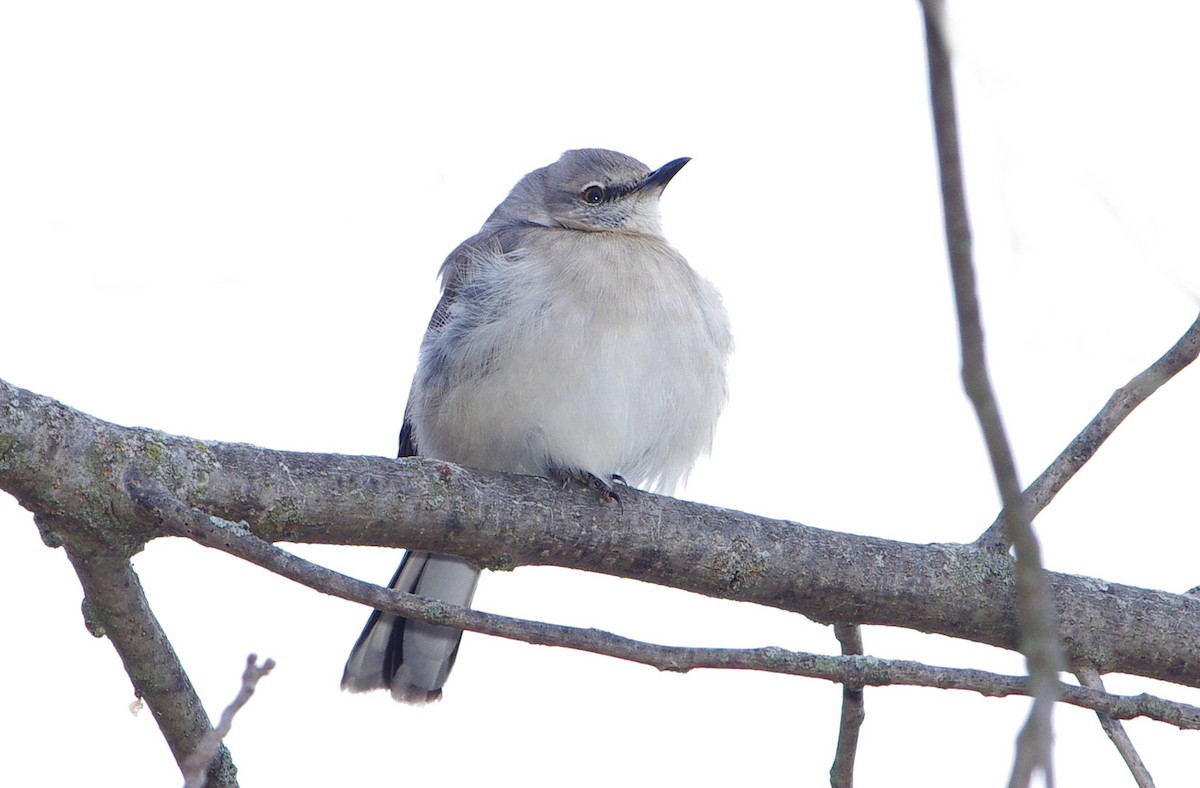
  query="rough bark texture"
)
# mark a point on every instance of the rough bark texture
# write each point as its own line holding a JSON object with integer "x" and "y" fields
{"x": 116, "y": 607}
{"x": 61, "y": 463}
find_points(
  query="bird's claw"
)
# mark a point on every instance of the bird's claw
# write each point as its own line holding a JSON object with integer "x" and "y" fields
{"x": 590, "y": 480}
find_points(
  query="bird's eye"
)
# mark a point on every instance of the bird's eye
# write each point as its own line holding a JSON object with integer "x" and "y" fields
{"x": 593, "y": 194}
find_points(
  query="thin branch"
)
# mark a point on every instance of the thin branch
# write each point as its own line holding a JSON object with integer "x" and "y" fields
{"x": 195, "y": 766}
{"x": 116, "y": 607}
{"x": 233, "y": 538}
{"x": 1041, "y": 643}
{"x": 1039, "y": 494}
{"x": 1090, "y": 677}
{"x": 841, "y": 775}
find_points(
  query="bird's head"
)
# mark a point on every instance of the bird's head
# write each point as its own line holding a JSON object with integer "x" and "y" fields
{"x": 593, "y": 190}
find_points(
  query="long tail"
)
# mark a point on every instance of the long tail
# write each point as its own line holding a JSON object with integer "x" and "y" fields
{"x": 412, "y": 658}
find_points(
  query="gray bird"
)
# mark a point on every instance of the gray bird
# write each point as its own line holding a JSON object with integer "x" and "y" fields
{"x": 571, "y": 341}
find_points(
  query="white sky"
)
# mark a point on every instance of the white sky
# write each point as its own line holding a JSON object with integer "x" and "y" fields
{"x": 224, "y": 219}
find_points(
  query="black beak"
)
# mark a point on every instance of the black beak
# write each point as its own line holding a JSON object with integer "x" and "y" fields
{"x": 663, "y": 175}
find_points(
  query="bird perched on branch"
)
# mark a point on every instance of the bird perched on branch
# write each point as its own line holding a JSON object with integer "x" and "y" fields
{"x": 571, "y": 341}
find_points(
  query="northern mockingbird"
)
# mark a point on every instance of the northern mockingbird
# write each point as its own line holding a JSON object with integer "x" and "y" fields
{"x": 571, "y": 341}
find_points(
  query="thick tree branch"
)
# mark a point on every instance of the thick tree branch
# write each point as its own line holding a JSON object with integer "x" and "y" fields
{"x": 1040, "y": 641}
{"x": 1039, "y": 494}
{"x": 116, "y": 607}
{"x": 58, "y": 461}
{"x": 236, "y": 539}
{"x": 841, "y": 775}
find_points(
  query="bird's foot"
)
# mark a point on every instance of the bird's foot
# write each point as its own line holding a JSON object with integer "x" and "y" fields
{"x": 589, "y": 480}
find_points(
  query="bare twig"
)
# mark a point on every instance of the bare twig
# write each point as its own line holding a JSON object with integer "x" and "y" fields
{"x": 116, "y": 607}
{"x": 1090, "y": 677}
{"x": 195, "y": 766}
{"x": 234, "y": 539}
{"x": 1039, "y": 632}
{"x": 1039, "y": 494}
{"x": 841, "y": 775}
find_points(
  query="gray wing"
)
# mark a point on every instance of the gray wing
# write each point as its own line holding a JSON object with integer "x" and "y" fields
{"x": 411, "y": 658}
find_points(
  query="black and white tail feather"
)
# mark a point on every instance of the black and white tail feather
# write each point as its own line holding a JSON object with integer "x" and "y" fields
{"x": 410, "y": 658}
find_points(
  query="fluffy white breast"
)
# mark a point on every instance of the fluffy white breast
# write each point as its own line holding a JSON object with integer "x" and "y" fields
{"x": 610, "y": 360}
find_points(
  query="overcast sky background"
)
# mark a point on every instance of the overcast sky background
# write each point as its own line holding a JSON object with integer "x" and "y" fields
{"x": 224, "y": 220}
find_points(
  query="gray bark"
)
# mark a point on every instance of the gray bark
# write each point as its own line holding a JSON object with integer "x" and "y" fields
{"x": 63, "y": 464}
